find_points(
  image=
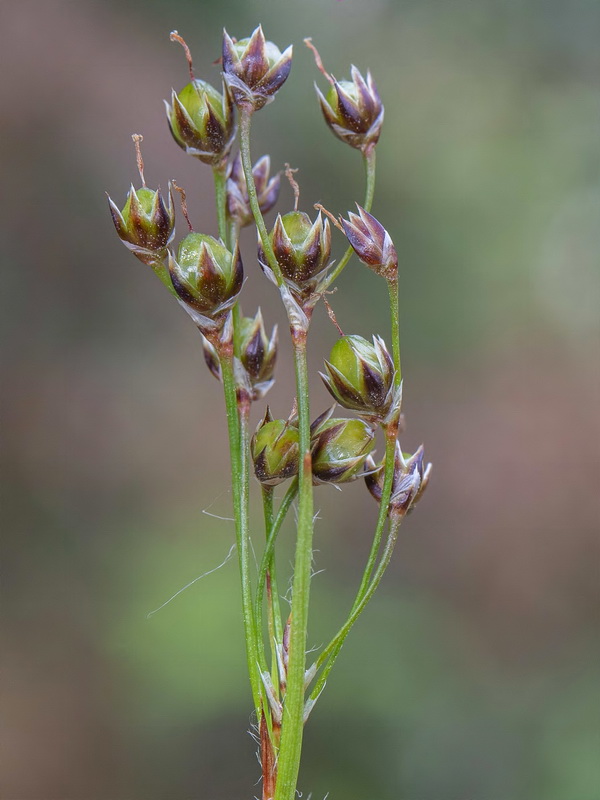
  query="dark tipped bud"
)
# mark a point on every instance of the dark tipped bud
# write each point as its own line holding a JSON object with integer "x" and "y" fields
{"x": 254, "y": 69}
{"x": 146, "y": 224}
{"x": 339, "y": 448}
{"x": 360, "y": 375}
{"x": 275, "y": 450}
{"x": 302, "y": 248}
{"x": 353, "y": 110}
{"x": 409, "y": 482}
{"x": 201, "y": 121}
{"x": 206, "y": 276}
{"x": 257, "y": 354}
{"x": 371, "y": 242}
{"x": 267, "y": 190}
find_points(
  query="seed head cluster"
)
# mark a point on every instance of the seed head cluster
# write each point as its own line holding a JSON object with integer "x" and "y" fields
{"x": 206, "y": 273}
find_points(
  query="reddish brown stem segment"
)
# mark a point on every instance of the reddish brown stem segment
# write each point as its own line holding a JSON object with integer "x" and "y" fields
{"x": 268, "y": 761}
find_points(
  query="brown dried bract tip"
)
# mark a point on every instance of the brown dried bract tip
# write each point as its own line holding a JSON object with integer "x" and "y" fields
{"x": 137, "y": 140}
{"x": 175, "y": 37}
{"x": 334, "y": 220}
{"x": 332, "y": 317}
{"x": 183, "y": 200}
{"x": 289, "y": 174}
{"x": 318, "y": 62}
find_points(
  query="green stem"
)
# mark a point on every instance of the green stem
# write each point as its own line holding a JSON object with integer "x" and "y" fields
{"x": 369, "y": 162}
{"x": 338, "y": 640}
{"x": 391, "y": 433}
{"x": 268, "y": 553}
{"x": 228, "y": 232}
{"x": 245, "y": 124}
{"x": 233, "y": 231}
{"x": 220, "y": 178}
{"x": 237, "y": 424}
{"x": 386, "y": 492}
{"x": 293, "y": 712}
{"x": 395, "y": 316}
{"x": 273, "y": 611}
{"x": 331, "y": 652}
{"x": 237, "y": 317}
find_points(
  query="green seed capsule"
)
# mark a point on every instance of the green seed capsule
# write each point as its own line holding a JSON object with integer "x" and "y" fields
{"x": 202, "y": 122}
{"x": 146, "y": 224}
{"x": 275, "y": 450}
{"x": 339, "y": 448}
{"x": 206, "y": 276}
{"x": 360, "y": 375}
{"x": 302, "y": 249}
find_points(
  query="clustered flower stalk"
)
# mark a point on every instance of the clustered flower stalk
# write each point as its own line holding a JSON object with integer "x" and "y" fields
{"x": 205, "y": 274}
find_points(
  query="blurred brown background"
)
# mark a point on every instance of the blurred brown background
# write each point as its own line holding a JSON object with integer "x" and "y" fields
{"x": 474, "y": 673}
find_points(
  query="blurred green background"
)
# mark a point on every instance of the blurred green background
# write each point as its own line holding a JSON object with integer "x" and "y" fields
{"x": 474, "y": 674}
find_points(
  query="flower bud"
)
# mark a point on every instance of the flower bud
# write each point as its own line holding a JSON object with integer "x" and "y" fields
{"x": 267, "y": 190}
{"x": 302, "y": 249}
{"x": 353, "y": 110}
{"x": 275, "y": 450}
{"x": 409, "y": 482}
{"x": 371, "y": 242}
{"x": 145, "y": 225}
{"x": 201, "y": 121}
{"x": 339, "y": 448}
{"x": 257, "y": 354}
{"x": 254, "y": 69}
{"x": 206, "y": 276}
{"x": 360, "y": 375}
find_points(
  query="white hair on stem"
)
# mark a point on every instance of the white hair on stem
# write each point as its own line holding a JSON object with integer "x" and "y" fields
{"x": 191, "y": 583}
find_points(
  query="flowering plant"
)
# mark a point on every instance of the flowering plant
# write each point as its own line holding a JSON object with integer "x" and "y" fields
{"x": 206, "y": 276}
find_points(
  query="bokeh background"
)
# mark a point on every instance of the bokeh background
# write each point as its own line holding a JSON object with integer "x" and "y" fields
{"x": 474, "y": 673}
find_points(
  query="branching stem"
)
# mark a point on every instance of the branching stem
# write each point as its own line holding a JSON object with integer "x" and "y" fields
{"x": 245, "y": 125}
{"x": 274, "y": 626}
{"x": 329, "y": 655}
{"x": 293, "y": 712}
{"x": 237, "y": 424}
{"x": 335, "y": 645}
{"x": 369, "y": 162}
{"x": 287, "y": 501}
